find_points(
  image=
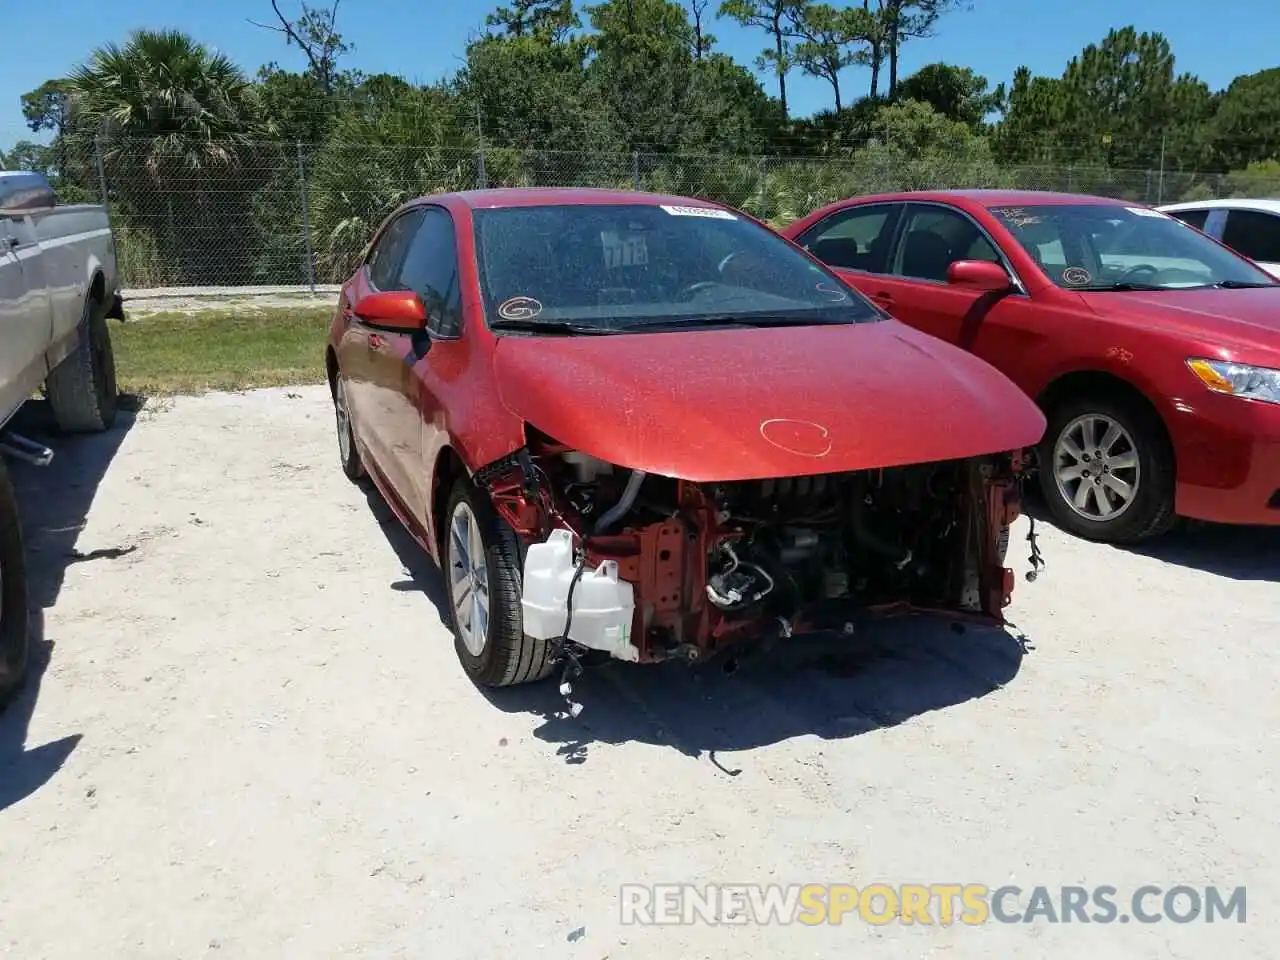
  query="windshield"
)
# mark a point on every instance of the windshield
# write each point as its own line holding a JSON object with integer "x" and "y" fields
{"x": 1109, "y": 247}
{"x": 612, "y": 267}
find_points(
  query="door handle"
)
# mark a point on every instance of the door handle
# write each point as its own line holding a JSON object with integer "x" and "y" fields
{"x": 882, "y": 297}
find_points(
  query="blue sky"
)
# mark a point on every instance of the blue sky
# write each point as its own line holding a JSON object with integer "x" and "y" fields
{"x": 424, "y": 40}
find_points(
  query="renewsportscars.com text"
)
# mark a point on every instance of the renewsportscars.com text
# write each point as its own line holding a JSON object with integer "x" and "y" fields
{"x": 972, "y": 904}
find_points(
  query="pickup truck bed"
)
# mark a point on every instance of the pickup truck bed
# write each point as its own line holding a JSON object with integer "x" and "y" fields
{"x": 58, "y": 286}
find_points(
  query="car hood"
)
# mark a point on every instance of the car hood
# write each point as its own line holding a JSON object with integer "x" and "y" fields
{"x": 1243, "y": 318}
{"x": 748, "y": 403}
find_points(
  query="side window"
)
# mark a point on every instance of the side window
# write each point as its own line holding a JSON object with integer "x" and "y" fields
{"x": 856, "y": 239}
{"x": 935, "y": 238}
{"x": 431, "y": 270}
{"x": 1254, "y": 234}
{"x": 1050, "y": 255}
{"x": 384, "y": 262}
{"x": 1195, "y": 218}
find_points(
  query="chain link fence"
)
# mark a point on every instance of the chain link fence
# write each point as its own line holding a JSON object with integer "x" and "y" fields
{"x": 249, "y": 213}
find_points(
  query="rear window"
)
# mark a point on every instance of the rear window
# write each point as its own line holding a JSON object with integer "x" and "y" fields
{"x": 1194, "y": 218}
{"x": 1253, "y": 233}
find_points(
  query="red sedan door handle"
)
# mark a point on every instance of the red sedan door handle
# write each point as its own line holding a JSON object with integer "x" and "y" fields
{"x": 883, "y": 298}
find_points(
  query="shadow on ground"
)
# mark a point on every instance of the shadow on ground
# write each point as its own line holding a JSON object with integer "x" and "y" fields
{"x": 54, "y": 502}
{"x": 1240, "y": 553}
{"x": 826, "y": 685}
{"x": 424, "y": 574}
{"x": 831, "y": 686}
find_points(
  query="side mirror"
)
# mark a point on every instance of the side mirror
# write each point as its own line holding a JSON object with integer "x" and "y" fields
{"x": 979, "y": 275}
{"x": 397, "y": 311}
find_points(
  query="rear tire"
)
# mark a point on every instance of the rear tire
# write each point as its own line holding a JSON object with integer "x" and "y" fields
{"x": 489, "y": 637}
{"x": 1140, "y": 460}
{"x": 14, "y": 639}
{"x": 82, "y": 388}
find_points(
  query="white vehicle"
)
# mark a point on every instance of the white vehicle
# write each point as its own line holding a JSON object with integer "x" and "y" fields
{"x": 58, "y": 286}
{"x": 1249, "y": 227}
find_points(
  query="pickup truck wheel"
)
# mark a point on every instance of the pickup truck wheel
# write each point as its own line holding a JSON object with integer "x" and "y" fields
{"x": 483, "y": 576}
{"x": 82, "y": 388}
{"x": 14, "y": 641}
{"x": 1107, "y": 470}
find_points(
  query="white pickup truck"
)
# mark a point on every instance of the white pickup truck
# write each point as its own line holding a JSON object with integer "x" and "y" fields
{"x": 58, "y": 286}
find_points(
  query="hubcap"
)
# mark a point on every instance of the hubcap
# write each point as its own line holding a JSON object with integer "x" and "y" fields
{"x": 1095, "y": 465}
{"x": 468, "y": 580}
{"x": 343, "y": 421}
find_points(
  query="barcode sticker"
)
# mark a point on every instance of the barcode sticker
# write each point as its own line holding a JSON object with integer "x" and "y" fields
{"x": 713, "y": 212}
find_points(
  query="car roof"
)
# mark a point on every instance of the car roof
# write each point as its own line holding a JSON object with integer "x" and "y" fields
{"x": 499, "y": 197}
{"x": 995, "y": 197}
{"x": 1234, "y": 203}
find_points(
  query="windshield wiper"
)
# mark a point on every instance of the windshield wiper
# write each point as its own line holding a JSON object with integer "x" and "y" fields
{"x": 1129, "y": 286}
{"x": 736, "y": 320}
{"x": 1126, "y": 287}
{"x": 561, "y": 327}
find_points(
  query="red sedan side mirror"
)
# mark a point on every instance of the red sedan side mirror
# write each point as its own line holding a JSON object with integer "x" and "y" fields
{"x": 979, "y": 275}
{"x": 399, "y": 311}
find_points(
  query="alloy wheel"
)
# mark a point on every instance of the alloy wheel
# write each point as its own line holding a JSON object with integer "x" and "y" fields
{"x": 343, "y": 419}
{"x": 468, "y": 579}
{"x": 1096, "y": 467}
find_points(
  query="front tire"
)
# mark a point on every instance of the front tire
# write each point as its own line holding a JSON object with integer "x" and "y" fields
{"x": 348, "y": 453}
{"x": 14, "y": 639}
{"x": 1107, "y": 470}
{"x": 82, "y": 388}
{"x": 481, "y": 563}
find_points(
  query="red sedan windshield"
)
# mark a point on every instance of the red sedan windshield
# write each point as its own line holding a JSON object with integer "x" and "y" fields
{"x": 1106, "y": 247}
{"x": 610, "y": 266}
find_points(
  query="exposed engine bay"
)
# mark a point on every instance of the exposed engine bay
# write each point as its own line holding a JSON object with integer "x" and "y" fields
{"x": 700, "y": 566}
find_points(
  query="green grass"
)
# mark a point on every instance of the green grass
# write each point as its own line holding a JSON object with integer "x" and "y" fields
{"x": 168, "y": 353}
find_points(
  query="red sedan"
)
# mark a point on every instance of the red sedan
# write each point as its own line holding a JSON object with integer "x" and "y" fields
{"x": 650, "y": 427}
{"x": 1153, "y": 350}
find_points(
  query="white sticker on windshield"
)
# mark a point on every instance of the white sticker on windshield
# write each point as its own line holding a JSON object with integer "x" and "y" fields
{"x": 1144, "y": 212}
{"x": 620, "y": 251}
{"x": 713, "y": 212}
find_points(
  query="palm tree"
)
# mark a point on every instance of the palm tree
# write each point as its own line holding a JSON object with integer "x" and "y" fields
{"x": 173, "y": 124}
{"x": 182, "y": 103}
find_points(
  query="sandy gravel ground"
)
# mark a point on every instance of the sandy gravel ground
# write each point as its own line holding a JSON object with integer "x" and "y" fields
{"x": 141, "y": 303}
{"x": 249, "y": 738}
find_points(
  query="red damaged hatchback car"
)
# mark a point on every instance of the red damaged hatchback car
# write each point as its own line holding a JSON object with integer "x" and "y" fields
{"x": 650, "y": 427}
{"x": 1153, "y": 350}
